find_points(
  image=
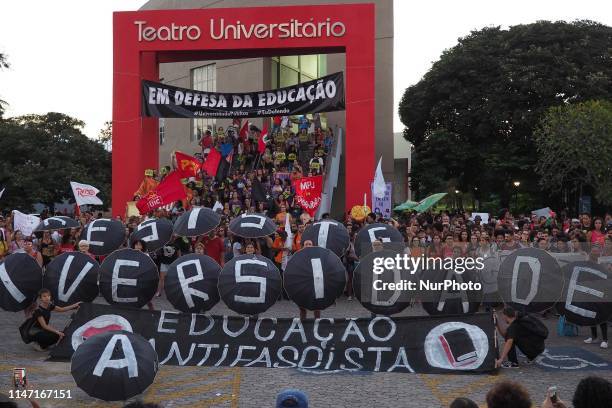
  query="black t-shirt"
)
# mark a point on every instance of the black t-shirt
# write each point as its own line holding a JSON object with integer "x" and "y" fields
{"x": 526, "y": 340}
{"x": 182, "y": 244}
{"x": 169, "y": 253}
{"x": 45, "y": 313}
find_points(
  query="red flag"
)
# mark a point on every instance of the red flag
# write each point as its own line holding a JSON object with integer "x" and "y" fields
{"x": 244, "y": 131}
{"x": 168, "y": 191}
{"x": 263, "y": 138}
{"x": 308, "y": 193}
{"x": 187, "y": 166}
{"x": 211, "y": 164}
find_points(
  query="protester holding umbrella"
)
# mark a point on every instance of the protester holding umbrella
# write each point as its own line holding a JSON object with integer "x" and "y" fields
{"x": 303, "y": 312}
{"x": 141, "y": 246}
{"x": 48, "y": 248}
{"x": 46, "y": 335}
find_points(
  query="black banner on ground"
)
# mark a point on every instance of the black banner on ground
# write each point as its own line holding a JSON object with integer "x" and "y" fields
{"x": 325, "y": 94}
{"x": 405, "y": 344}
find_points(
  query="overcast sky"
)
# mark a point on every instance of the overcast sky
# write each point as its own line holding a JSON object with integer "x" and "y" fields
{"x": 61, "y": 51}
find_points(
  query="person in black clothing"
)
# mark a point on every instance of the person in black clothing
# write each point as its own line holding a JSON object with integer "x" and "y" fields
{"x": 170, "y": 253}
{"x": 44, "y": 335}
{"x": 525, "y": 332}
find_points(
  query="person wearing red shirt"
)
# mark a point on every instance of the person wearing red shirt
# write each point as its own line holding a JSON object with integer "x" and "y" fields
{"x": 206, "y": 142}
{"x": 214, "y": 247}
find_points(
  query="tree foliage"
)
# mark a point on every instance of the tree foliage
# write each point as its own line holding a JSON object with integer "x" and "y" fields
{"x": 489, "y": 92}
{"x": 41, "y": 154}
{"x": 105, "y": 135}
{"x": 574, "y": 143}
{"x": 3, "y": 64}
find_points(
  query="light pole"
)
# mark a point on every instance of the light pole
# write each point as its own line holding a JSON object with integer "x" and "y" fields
{"x": 516, "y": 187}
{"x": 457, "y": 199}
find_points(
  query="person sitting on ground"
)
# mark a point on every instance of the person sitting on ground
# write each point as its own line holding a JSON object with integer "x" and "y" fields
{"x": 523, "y": 331}
{"x": 463, "y": 403}
{"x": 508, "y": 394}
{"x": 46, "y": 335}
{"x": 292, "y": 398}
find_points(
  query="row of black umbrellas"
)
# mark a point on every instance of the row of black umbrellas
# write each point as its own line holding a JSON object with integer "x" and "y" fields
{"x": 314, "y": 278}
{"x": 196, "y": 283}
{"x": 107, "y": 235}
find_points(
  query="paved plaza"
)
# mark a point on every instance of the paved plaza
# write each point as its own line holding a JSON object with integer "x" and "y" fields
{"x": 257, "y": 387}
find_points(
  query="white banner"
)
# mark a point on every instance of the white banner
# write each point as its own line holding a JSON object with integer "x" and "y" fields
{"x": 382, "y": 205}
{"x": 24, "y": 222}
{"x": 85, "y": 194}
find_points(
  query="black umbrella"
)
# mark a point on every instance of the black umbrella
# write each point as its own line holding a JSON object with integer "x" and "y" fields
{"x": 197, "y": 221}
{"x": 371, "y": 284}
{"x": 154, "y": 232}
{"x": 104, "y": 236}
{"x": 21, "y": 279}
{"x": 128, "y": 277}
{"x": 72, "y": 277}
{"x": 391, "y": 238}
{"x": 249, "y": 284}
{"x": 191, "y": 283}
{"x": 314, "y": 278}
{"x": 587, "y": 293}
{"x": 328, "y": 234}
{"x": 530, "y": 280}
{"x": 114, "y": 366}
{"x": 55, "y": 223}
{"x": 252, "y": 226}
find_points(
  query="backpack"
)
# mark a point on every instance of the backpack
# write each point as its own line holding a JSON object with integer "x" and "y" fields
{"x": 533, "y": 325}
{"x": 26, "y": 328}
{"x": 565, "y": 328}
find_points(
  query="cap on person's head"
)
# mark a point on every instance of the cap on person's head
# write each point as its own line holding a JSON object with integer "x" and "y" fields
{"x": 292, "y": 398}
{"x": 478, "y": 218}
{"x": 83, "y": 242}
{"x": 575, "y": 220}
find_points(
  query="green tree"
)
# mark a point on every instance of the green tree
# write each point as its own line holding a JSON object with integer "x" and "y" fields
{"x": 574, "y": 145}
{"x": 490, "y": 91}
{"x": 41, "y": 154}
{"x": 105, "y": 135}
{"x": 3, "y": 64}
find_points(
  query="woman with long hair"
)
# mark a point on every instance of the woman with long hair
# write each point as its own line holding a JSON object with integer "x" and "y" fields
{"x": 472, "y": 246}
{"x": 416, "y": 249}
{"x": 597, "y": 233}
{"x": 484, "y": 249}
{"x": 48, "y": 248}
{"x": 434, "y": 250}
{"x": 17, "y": 243}
{"x": 464, "y": 240}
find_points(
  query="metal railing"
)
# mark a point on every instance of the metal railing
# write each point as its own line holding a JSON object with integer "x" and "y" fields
{"x": 330, "y": 182}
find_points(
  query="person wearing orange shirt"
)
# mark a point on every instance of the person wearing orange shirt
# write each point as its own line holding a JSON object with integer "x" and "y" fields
{"x": 147, "y": 185}
{"x": 280, "y": 217}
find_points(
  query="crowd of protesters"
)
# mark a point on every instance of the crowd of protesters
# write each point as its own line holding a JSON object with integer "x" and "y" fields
{"x": 261, "y": 183}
